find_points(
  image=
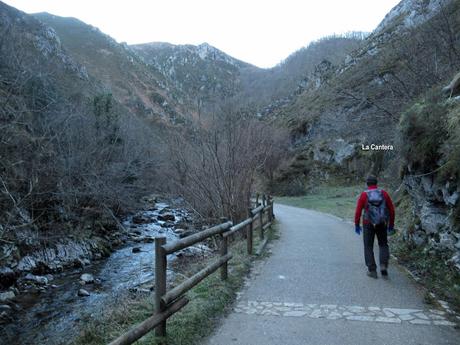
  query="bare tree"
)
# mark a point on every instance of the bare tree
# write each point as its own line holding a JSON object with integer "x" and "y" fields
{"x": 215, "y": 168}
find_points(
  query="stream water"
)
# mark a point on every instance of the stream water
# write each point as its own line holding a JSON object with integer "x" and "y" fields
{"x": 51, "y": 316}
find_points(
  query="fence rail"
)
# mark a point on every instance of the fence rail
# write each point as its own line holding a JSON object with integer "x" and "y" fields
{"x": 169, "y": 302}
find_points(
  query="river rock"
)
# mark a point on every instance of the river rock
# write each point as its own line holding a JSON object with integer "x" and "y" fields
{"x": 27, "y": 263}
{"x": 79, "y": 263}
{"x": 167, "y": 217}
{"x": 140, "y": 219}
{"x": 83, "y": 293}
{"x": 6, "y": 296}
{"x": 136, "y": 250}
{"x": 40, "y": 280}
{"x": 4, "y": 307}
{"x": 87, "y": 278}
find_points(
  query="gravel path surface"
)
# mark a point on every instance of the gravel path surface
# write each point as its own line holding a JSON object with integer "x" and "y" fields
{"x": 313, "y": 289}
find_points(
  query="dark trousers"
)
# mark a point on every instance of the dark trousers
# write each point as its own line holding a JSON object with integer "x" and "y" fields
{"x": 369, "y": 233}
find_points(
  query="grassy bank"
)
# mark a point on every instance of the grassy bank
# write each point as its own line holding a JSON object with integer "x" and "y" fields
{"x": 337, "y": 200}
{"x": 209, "y": 300}
{"x": 431, "y": 268}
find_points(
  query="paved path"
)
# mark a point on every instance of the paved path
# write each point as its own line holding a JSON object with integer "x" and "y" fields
{"x": 313, "y": 290}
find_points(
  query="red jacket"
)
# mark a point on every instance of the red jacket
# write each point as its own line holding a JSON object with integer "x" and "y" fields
{"x": 362, "y": 202}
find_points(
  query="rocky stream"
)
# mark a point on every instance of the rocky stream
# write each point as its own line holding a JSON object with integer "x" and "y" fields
{"x": 47, "y": 309}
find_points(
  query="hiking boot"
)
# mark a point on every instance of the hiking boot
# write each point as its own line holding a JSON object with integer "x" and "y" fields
{"x": 372, "y": 274}
{"x": 384, "y": 271}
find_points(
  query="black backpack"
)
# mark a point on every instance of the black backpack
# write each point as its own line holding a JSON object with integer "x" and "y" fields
{"x": 376, "y": 210}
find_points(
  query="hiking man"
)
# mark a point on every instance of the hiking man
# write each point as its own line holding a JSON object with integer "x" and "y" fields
{"x": 378, "y": 219}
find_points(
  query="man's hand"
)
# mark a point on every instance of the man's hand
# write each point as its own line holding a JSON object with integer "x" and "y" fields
{"x": 391, "y": 230}
{"x": 358, "y": 229}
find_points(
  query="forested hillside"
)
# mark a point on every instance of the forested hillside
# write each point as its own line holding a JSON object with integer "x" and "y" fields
{"x": 73, "y": 156}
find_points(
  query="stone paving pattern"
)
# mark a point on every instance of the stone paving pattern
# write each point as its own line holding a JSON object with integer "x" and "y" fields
{"x": 354, "y": 313}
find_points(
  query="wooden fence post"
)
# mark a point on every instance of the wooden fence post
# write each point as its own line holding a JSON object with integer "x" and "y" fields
{"x": 250, "y": 231}
{"x": 269, "y": 203}
{"x": 224, "y": 252}
{"x": 160, "y": 282}
{"x": 271, "y": 208}
{"x": 261, "y": 224}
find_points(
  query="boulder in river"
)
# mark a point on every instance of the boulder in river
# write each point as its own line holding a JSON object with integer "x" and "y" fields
{"x": 6, "y": 296}
{"x": 136, "y": 249}
{"x": 39, "y": 280}
{"x": 141, "y": 219}
{"x": 167, "y": 217}
{"x": 83, "y": 293}
{"x": 148, "y": 239}
{"x": 87, "y": 278}
{"x": 4, "y": 307}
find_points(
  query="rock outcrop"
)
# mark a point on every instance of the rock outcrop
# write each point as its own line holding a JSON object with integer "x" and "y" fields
{"x": 434, "y": 207}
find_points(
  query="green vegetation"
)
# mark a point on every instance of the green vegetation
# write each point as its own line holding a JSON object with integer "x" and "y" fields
{"x": 336, "y": 200}
{"x": 430, "y": 132}
{"x": 423, "y": 128}
{"x": 430, "y": 266}
{"x": 209, "y": 300}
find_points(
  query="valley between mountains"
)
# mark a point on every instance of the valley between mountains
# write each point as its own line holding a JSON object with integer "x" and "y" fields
{"x": 105, "y": 145}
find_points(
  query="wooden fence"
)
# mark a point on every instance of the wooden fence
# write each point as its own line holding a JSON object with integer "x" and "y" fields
{"x": 169, "y": 302}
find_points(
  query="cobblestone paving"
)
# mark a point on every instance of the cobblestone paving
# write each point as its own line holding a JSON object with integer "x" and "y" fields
{"x": 354, "y": 313}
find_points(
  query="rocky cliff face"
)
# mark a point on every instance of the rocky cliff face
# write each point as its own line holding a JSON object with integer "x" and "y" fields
{"x": 201, "y": 75}
{"x": 430, "y": 132}
{"x": 434, "y": 208}
{"x": 359, "y": 101}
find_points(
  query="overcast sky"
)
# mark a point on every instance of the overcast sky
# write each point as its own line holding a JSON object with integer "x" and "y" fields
{"x": 261, "y": 32}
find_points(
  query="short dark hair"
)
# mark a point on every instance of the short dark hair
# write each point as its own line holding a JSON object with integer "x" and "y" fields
{"x": 371, "y": 180}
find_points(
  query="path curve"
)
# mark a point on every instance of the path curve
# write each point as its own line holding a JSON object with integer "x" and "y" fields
{"x": 313, "y": 290}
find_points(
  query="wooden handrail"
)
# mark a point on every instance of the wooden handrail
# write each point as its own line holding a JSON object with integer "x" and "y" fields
{"x": 148, "y": 324}
{"x": 257, "y": 209}
{"x": 179, "y": 290}
{"x": 195, "y": 238}
{"x": 237, "y": 227}
{"x": 169, "y": 302}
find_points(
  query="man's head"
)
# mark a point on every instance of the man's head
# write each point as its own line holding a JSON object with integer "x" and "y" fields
{"x": 371, "y": 180}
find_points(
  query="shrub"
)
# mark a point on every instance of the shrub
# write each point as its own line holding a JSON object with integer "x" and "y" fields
{"x": 424, "y": 129}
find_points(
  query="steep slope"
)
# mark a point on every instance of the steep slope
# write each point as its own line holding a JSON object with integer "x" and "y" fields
{"x": 202, "y": 75}
{"x": 264, "y": 86}
{"x": 359, "y": 102}
{"x": 141, "y": 89}
{"x": 72, "y": 157}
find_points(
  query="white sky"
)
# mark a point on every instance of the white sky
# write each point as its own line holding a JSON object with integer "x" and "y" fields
{"x": 261, "y": 32}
